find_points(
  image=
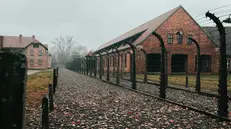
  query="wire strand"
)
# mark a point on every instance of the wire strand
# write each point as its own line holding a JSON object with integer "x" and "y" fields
{"x": 223, "y": 15}
{"x": 220, "y": 7}
{"x": 223, "y": 11}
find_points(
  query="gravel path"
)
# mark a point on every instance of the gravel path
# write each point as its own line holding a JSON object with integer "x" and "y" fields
{"x": 205, "y": 103}
{"x": 84, "y": 102}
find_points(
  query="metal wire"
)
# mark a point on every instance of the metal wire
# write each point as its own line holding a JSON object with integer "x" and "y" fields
{"x": 224, "y": 15}
{"x": 199, "y": 18}
{"x": 223, "y": 11}
{"x": 220, "y": 7}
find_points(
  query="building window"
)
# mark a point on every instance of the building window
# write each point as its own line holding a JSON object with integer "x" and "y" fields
{"x": 170, "y": 38}
{"x": 40, "y": 52}
{"x": 40, "y": 62}
{"x": 31, "y": 52}
{"x": 189, "y": 41}
{"x": 180, "y": 38}
{"x": 36, "y": 45}
{"x": 31, "y": 61}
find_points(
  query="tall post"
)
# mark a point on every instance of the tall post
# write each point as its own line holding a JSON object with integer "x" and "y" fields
{"x": 162, "y": 75}
{"x": 130, "y": 54}
{"x": 122, "y": 65}
{"x": 54, "y": 81}
{"x": 50, "y": 89}
{"x": 145, "y": 65}
{"x": 77, "y": 64}
{"x": 95, "y": 66}
{"x": 125, "y": 65}
{"x": 103, "y": 65}
{"x": 81, "y": 65}
{"x": 186, "y": 71}
{"x": 118, "y": 68}
{"x": 90, "y": 65}
{"x": 133, "y": 65}
{"x": 108, "y": 67}
{"x": 198, "y": 78}
{"x": 13, "y": 77}
{"x": 222, "y": 91}
{"x": 45, "y": 113}
{"x": 87, "y": 64}
{"x": 57, "y": 71}
{"x": 84, "y": 65}
{"x": 166, "y": 68}
{"x": 100, "y": 66}
{"x": 114, "y": 64}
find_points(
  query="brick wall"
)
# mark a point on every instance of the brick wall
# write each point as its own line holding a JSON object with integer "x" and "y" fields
{"x": 44, "y": 57}
{"x": 180, "y": 20}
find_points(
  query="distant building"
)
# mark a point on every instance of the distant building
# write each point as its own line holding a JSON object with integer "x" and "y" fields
{"x": 36, "y": 52}
{"x": 214, "y": 34}
{"x": 174, "y": 27}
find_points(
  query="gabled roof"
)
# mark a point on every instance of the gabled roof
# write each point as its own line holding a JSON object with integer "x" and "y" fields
{"x": 90, "y": 53}
{"x": 146, "y": 28}
{"x": 18, "y": 41}
{"x": 214, "y": 34}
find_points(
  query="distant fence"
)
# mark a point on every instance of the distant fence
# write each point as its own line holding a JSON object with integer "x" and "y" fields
{"x": 13, "y": 76}
{"x": 48, "y": 101}
{"x": 101, "y": 65}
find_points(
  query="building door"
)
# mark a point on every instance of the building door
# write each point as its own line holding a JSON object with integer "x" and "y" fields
{"x": 154, "y": 62}
{"x": 179, "y": 63}
{"x": 205, "y": 63}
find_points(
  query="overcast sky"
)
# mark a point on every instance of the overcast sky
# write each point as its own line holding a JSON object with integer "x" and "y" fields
{"x": 91, "y": 22}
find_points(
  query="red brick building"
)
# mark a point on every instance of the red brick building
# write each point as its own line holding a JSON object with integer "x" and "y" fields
{"x": 174, "y": 26}
{"x": 36, "y": 52}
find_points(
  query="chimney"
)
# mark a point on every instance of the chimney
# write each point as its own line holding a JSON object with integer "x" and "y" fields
{"x": 20, "y": 38}
{"x": 1, "y": 42}
{"x": 33, "y": 36}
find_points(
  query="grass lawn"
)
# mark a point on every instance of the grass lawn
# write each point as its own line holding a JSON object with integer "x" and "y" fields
{"x": 208, "y": 82}
{"x": 37, "y": 87}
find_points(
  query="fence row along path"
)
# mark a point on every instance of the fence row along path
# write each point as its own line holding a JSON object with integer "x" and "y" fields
{"x": 84, "y": 102}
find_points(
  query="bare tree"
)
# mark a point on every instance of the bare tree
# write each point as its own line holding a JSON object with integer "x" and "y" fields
{"x": 79, "y": 51}
{"x": 62, "y": 48}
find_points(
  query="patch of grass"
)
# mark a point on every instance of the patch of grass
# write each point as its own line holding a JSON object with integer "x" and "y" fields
{"x": 37, "y": 87}
{"x": 208, "y": 82}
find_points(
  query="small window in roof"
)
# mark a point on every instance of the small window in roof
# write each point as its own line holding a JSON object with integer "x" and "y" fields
{"x": 36, "y": 45}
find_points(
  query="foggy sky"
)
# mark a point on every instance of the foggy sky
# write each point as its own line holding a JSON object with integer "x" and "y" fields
{"x": 91, "y": 22}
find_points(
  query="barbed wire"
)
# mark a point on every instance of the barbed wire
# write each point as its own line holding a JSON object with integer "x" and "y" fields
{"x": 212, "y": 10}
{"x": 220, "y": 7}
{"x": 221, "y": 13}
